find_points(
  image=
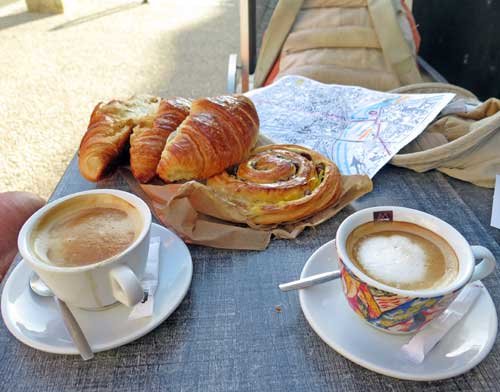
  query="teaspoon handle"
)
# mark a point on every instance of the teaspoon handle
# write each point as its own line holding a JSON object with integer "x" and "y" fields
{"x": 75, "y": 331}
{"x": 310, "y": 281}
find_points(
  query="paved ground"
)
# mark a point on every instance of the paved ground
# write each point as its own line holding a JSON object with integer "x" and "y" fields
{"x": 54, "y": 69}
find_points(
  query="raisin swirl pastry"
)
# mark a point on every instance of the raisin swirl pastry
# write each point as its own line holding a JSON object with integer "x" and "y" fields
{"x": 280, "y": 183}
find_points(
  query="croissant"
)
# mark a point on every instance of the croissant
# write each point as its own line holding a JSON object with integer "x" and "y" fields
{"x": 149, "y": 137}
{"x": 109, "y": 131}
{"x": 280, "y": 183}
{"x": 219, "y": 132}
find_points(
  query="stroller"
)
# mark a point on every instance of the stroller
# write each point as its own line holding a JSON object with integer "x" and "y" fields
{"x": 371, "y": 43}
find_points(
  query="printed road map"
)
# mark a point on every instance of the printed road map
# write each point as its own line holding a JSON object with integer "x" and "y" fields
{"x": 359, "y": 129}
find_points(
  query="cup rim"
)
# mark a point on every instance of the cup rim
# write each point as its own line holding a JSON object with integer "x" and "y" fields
{"x": 428, "y": 293}
{"x": 27, "y": 228}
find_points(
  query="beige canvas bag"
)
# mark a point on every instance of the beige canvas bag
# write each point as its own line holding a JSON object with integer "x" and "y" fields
{"x": 464, "y": 142}
{"x": 355, "y": 42}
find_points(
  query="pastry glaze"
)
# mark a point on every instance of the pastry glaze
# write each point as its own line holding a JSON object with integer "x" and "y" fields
{"x": 108, "y": 132}
{"x": 150, "y": 135}
{"x": 280, "y": 183}
{"x": 219, "y": 132}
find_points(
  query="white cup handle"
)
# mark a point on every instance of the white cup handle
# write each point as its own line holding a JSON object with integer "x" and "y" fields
{"x": 487, "y": 264}
{"x": 126, "y": 287}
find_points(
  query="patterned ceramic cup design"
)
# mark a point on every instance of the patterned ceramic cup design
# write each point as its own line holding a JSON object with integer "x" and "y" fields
{"x": 405, "y": 311}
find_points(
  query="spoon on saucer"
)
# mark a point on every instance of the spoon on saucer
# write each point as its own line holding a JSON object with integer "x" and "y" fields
{"x": 79, "y": 339}
{"x": 310, "y": 281}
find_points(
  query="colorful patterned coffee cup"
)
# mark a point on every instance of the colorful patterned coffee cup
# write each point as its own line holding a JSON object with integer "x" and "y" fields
{"x": 406, "y": 311}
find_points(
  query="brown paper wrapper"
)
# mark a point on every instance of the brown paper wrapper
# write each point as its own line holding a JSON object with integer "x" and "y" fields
{"x": 200, "y": 217}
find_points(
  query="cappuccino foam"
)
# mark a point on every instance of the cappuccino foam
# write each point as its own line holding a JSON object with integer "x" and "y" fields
{"x": 86, "y": 230}
{"x": 403, "y": 255}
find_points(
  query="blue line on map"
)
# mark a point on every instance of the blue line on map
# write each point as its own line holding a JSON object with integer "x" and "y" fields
{"x": 346, "y": 160}
{"x": 341, "y": 157}
{"x": 337, "y": 154}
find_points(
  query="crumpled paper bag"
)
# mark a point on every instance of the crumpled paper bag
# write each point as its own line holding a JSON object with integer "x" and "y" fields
{"x": 199, "y": 216}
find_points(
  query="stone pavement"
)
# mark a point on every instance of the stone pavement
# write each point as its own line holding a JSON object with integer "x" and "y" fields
{"x": 55, "y": 68}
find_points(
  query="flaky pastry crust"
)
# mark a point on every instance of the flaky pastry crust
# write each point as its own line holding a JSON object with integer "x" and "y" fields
{"x": 109, "y": 131}
{"x": 219, "y": 132}
{"x": 149, "y": 137}
{"x": 280, "y": 183}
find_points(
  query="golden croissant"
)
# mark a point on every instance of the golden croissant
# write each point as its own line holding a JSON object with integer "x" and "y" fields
{"x": 280, "y": 183}
{"x": 108, "y": 132}
{"x": 149, "y": 137}
{"x": 219, "y": 132}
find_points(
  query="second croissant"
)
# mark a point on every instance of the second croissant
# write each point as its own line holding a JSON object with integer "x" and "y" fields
{"x": 150, "y": 135}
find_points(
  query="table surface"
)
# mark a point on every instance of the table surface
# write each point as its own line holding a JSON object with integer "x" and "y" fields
{"x": 227, "y": 333}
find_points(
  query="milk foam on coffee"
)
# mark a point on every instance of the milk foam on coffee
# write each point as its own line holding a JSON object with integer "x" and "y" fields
{"x": 86, "y": 230}
{"x": 392, "y": 258}
{"x": 403, "y": 255}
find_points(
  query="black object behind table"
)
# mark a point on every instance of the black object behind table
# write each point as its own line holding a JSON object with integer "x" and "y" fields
{"x": 461, "y": 39}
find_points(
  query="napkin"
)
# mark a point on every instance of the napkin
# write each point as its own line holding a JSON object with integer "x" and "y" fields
{"x": 149, "y": 282}
{"x": 495, "y": 210}
{"x": 423, "y": 342}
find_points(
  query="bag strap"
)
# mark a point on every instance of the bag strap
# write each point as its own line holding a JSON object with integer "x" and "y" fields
{"x": 281, "y": 23}
{"x": 394, "y": 46}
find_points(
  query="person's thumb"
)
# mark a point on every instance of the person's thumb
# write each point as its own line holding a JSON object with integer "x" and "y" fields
{"x": 15, "y": 209}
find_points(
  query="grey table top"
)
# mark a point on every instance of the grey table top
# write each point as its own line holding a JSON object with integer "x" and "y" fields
{"x": 227, "y": 334}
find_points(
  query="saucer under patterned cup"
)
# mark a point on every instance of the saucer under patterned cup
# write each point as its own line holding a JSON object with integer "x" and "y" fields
{"x": 36, "y": 321}
{"x": 330, "y": 316}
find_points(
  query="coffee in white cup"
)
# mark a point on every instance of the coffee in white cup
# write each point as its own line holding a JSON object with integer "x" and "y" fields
{"x": 90, "y": 248}
{"x": 86, "y": 230}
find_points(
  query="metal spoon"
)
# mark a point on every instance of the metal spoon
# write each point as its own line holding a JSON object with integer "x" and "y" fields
{"x": 79, "y": 339}
{"x": 310, "y": 281}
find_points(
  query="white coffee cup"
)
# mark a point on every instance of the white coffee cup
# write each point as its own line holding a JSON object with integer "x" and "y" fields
{"x": 100, "y": 284}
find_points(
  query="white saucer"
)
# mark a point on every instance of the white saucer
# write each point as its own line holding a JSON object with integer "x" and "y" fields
{"x": 35, "y": 320}
{"x": 328, "y": 313}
